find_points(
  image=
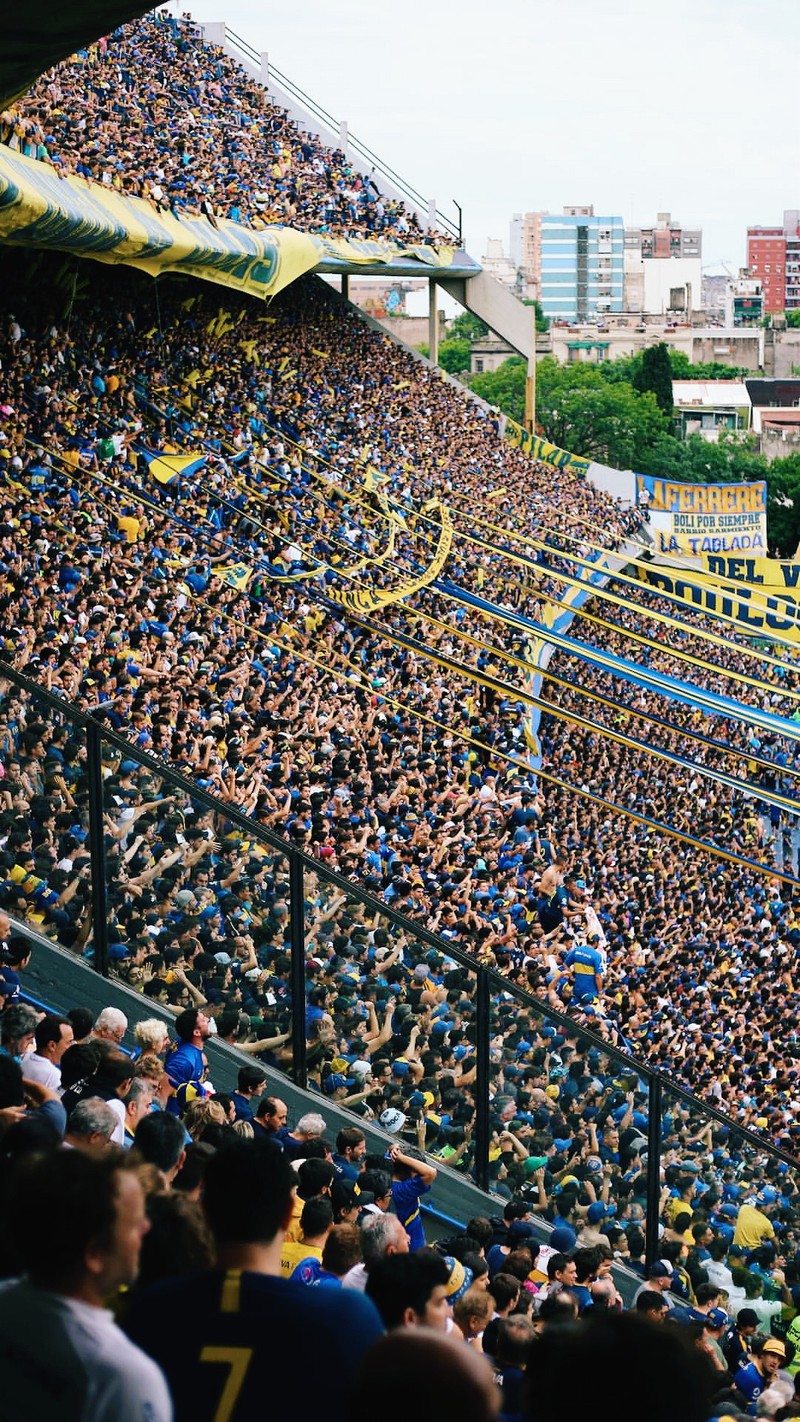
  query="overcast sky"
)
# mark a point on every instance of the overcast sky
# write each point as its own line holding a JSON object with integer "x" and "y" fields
{"x": 514, "y": 105}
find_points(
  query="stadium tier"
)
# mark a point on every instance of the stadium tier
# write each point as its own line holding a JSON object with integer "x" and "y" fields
{"x": 242, "y": 575}
{"x": 153, "y": 112}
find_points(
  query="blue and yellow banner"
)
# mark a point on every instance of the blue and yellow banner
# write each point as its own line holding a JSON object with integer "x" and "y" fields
{"x": 67, "y": 214}
{"x": 167, "y": 468}
{"x": 236, "y": 575}
{"x": 690, "y": 520}
{"x": 772, "y": 573}
{"x": 758, "y": 608}
{"x": 542, "y": 449}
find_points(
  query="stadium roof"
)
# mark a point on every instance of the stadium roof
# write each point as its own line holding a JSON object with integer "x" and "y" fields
{"x": 36, "y": 36}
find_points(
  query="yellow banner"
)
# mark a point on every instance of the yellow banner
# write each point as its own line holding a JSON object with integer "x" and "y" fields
{"x": 754, "y": 605}
{"x": 236, "y": 575}
{"x": 692, "y": 520}
{"x": 39, "y": 209}
{"x": 166, "y": 468}
{"x": 367, "y": 599}
{"x": 756, "y": 572}
{"x": 541, "y": 449}
{"x": 362, "y": 251}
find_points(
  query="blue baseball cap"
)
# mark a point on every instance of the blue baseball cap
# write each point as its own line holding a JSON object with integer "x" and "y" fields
{"x": 335, "y": 1080}
{"x": 718, "y": 1318}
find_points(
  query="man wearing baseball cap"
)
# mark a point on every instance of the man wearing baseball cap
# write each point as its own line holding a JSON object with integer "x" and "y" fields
{"x": 755, "y": 1377}
{"x": 659, "y": 1278}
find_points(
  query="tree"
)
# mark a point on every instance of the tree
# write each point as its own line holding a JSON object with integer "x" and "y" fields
{"x": 581, "y": 410}
{"x": 783, "y": 505}
{"x": 542, "y": 321}
{"x": 655, "y": 374}
{"x": 468, "y": 327}
{"x": 792, "y": 318}
{"x": 454, "y": 355}
{"x": 682, "y": 369}
{"x": 504, "y": 387}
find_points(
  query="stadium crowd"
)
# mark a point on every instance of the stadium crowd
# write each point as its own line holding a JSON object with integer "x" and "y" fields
{"x": 266, "y": 619}
{"x": 124, "y": 605}
{"x": 215, "y": 1232}
{"x": 153, "y": 112}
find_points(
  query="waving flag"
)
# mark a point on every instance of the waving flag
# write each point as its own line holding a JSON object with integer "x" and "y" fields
{"x": 166, "y": 468}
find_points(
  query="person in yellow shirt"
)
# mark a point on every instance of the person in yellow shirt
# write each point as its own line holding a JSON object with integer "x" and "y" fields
{"x": 128, "y": 524}
{"x": 753, "y": 1225}
{"x": 315, "y": 1177}
{"x": 316, "y": 1223}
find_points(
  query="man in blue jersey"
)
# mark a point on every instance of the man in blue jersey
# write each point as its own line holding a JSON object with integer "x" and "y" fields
{"x": 187, "y": 1062}
{"x": 755, "y": 1377}
{"x": 412, "y": 1177}
{"x": 584, "y": 964}
{"x": 217, "y": 1335}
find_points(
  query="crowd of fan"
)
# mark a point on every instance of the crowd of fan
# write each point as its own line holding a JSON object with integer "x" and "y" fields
{"x": 208, "y": 1224}
{"x": 153, "y": 112}
{"x": 204, "y": 619}
{"x": 124, "y": 605}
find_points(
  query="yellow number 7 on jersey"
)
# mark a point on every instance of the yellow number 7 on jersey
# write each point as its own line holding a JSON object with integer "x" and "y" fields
{"x": 238, "y": 1360}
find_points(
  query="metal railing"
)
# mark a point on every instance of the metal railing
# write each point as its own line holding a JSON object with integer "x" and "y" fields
{"x": 333, "y": 126}
{"x": 488, "y": 999}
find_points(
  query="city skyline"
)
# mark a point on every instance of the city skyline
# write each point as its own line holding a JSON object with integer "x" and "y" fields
{"x": 524, "y": 108}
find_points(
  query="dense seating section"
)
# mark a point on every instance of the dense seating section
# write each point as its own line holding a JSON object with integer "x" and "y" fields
{"x": 565, "y": 1240}
{"x": 278, "y": 700}
{"x": 152, "y": 112}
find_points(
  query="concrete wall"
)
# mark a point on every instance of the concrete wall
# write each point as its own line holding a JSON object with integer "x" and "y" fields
{"x": 411, "y": 330}
{"x": 775, "y": 446}
{"x": 732, "y": 347}
{"x": 619, "y": 483}
{"x": 786, "y": 347}
{"x": 660, "y": 276}
{"x": 741, "y": 347}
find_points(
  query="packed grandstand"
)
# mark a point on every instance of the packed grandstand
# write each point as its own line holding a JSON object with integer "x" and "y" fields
{"x": 285, "y": 556}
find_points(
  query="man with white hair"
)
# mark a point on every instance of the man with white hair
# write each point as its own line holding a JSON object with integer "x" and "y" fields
{"x": 309, "y": 1128}
{"x": 381, "y": 1234}
{"x": 110, "y": 1026}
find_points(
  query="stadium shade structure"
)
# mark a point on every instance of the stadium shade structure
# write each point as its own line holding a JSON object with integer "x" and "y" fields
{"x": 50, "y": 32}
{"x": 674, "y": 1121}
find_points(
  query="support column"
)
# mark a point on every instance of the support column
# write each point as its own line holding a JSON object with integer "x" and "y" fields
{"x": 214, "y": 32}
{"x": 263, "y": 73}
{"x": 433, "y": 322}
{"x": 482, "y": 1084}
{"x": 431, "y": 213}
{"x": 530, "y": 382}
{"x": 653, "y": 1167}
{"x": 346, "y": 285}
{"x": 343, "y": 136}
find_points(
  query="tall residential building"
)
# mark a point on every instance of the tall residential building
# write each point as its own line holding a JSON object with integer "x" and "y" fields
{"x": 663, "y": 268}
{"x": 773, "y": 255}
{"x": 574, "y": 262}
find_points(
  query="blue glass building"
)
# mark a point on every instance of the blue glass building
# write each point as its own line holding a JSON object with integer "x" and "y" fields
{"x": 581, "y": 265}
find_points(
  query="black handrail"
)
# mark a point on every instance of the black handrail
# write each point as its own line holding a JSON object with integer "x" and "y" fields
{"x": 489, "y": 981}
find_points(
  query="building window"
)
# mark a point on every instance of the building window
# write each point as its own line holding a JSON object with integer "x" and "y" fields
{"x": 479, "y": 365}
